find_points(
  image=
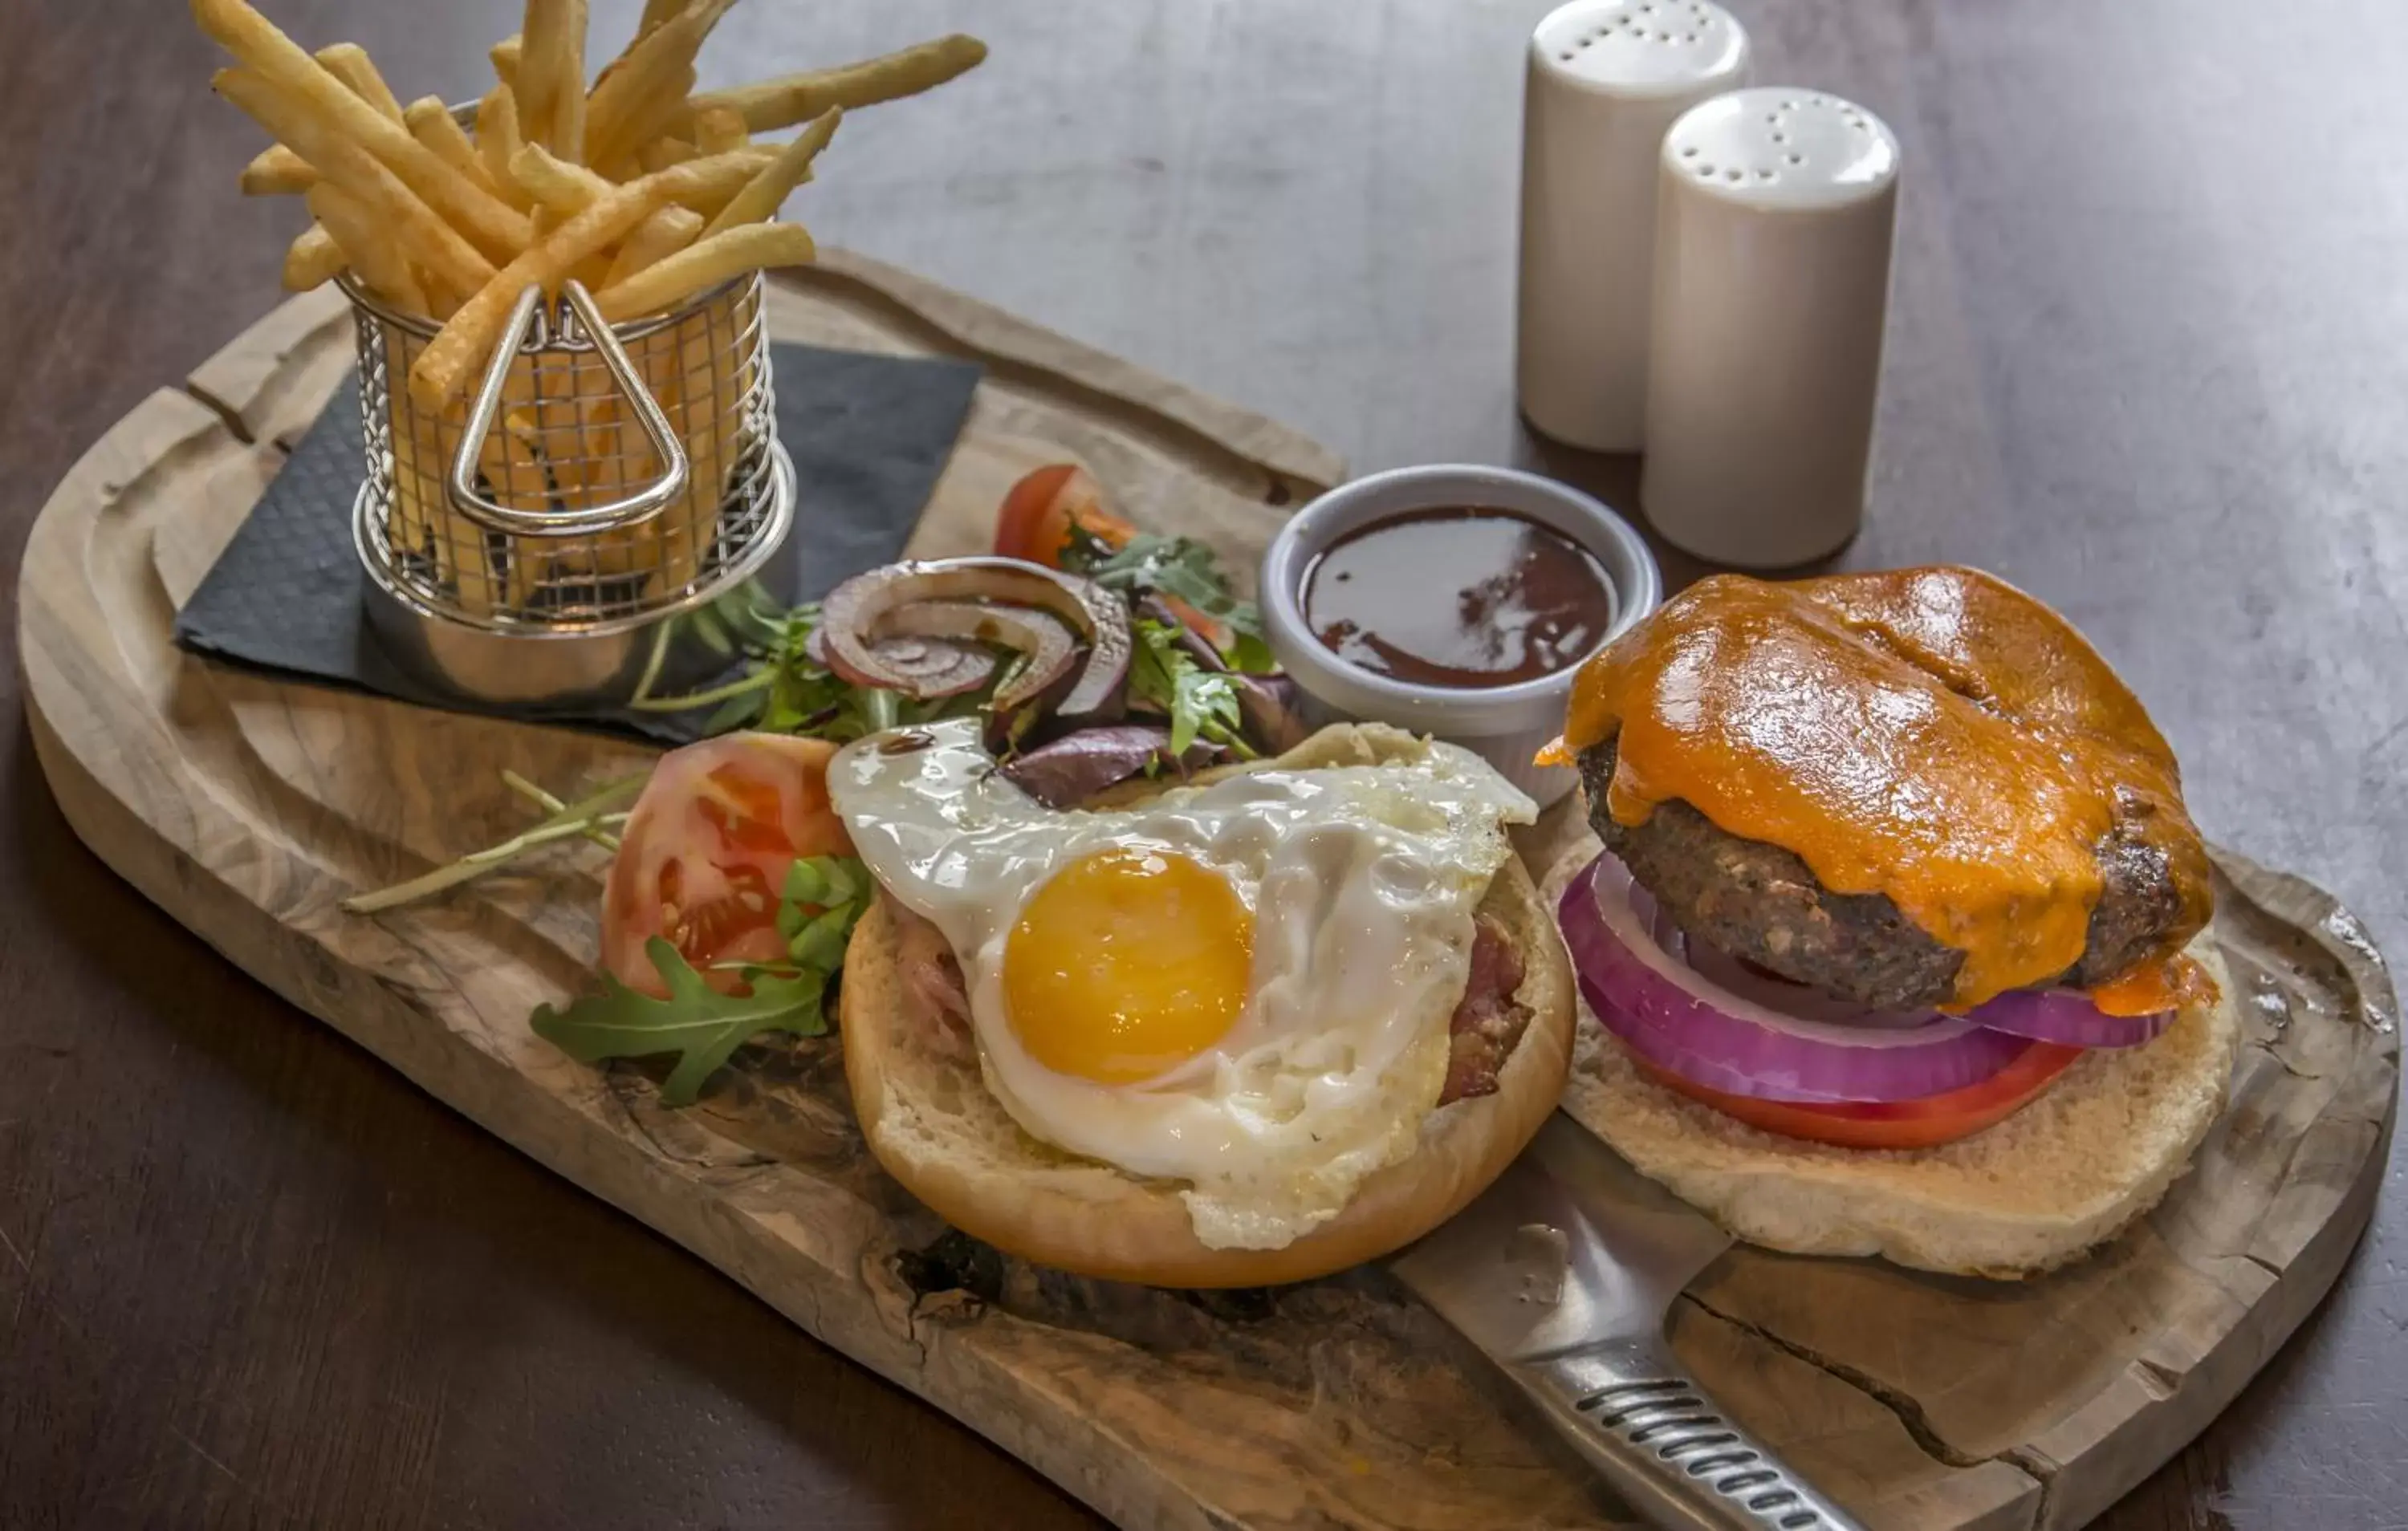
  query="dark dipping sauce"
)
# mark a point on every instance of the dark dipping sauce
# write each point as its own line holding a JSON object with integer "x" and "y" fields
{"x": 1466, "y": 598}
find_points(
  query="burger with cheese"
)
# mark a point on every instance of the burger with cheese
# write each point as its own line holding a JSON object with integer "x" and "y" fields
{"x": 1895, "y": 946}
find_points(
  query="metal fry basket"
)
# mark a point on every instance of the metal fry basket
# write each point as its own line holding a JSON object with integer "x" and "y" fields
{"x": 540, "y": 544}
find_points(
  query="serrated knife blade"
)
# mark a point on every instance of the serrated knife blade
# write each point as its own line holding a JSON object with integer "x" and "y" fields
{"x": 1562, "y": 1273}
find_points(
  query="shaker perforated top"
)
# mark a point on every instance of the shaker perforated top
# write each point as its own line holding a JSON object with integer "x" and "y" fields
{"x": 1640, "y": 48}
{"x": 1777, "y": 147}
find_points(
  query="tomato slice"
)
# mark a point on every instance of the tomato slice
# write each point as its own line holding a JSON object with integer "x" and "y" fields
{"x": 1927, "y": 1123}
{"x": 704, "y": 855}
{"x": 1038, "y": 515}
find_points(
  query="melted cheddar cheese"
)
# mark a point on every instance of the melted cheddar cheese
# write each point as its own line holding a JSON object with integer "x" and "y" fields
{"x": 1933, "y": 735}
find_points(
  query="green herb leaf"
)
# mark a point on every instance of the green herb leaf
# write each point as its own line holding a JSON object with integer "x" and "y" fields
{"x": 822, "y": 901}
{"x": 1168, "y": 565}
{"x": 572, "y": 821}
{"x": 1199, "y": 703}
{"x": 703, "y": 1026}
{"x": 822, "y": 882}
{"x": 1249, "y": 654}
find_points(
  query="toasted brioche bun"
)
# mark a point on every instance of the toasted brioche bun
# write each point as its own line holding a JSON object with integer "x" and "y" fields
{"x": 2097, "y": 1148}
{"x": 930, "y": 1120}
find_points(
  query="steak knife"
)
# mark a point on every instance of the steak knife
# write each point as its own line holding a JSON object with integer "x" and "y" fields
{"x": 1562, "y": 1273}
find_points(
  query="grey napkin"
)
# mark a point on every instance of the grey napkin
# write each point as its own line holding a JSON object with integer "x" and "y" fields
{"x": 869, "y": 436}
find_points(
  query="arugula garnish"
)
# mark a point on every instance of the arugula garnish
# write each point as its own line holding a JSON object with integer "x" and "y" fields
{"x": 822, "y": 901}
{"x": 589, "y": 818}
{"x": 1199, "y": 703}
{"x": 785, "y": 690}
{"x": 1182, "y": 569}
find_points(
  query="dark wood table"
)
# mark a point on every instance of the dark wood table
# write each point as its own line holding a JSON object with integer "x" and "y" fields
{"x": 2146, "y": 360}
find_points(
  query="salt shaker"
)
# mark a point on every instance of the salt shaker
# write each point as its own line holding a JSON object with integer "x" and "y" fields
{"x": 1606, "y": 78}
{"x": 1771, "y": 289}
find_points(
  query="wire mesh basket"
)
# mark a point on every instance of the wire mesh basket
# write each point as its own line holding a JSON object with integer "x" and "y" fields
{"x": 539, "y": 543}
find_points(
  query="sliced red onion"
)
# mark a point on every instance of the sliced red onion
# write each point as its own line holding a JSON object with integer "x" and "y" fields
{"x": 2043, "y": 1015}
{"x": 1076, "y": 767}
{"x": 1794, "y": 1001}
{"x": 922, "y": 667}
{"x": 1046, "y": 648}
{"x": 1679, "y": 1019}
{"x": 2066, "y": 1015}
{"x": 852, "y": 613}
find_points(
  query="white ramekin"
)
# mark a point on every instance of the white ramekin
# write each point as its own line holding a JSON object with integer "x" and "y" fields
{"x": 1506, "y": 724}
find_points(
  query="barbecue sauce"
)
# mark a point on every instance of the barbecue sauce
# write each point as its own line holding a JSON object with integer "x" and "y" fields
{"x": 1933, "y": 735}
{"x": 1463, "y": 598}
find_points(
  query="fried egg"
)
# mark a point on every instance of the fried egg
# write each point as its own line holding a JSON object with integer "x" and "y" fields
{"x": 1243, "y": 987}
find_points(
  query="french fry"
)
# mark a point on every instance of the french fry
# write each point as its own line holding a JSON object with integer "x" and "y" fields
{"x": 652, "y": 114}
{"x": 773, "y": 104}
{"x": 349, "y": 62}
{"x": 761, "y": 195}
{"x": 312, "y": 260}
{"x": 498, "y": 141}
{"x": 657, "y": 14}
{"x": 494, "y": 225}
{"x": 421, "y": 232}
{"x": 568, "y": 114}
{"x": 507, "y": 56}
{"x": 647, "y": 82}
{"x": 532, "y": 82}
{"x": 562, "y": 188}
{"x": 442, "y": 299}
{"x": 442, "y": 370}
{"x": 372, "y": 257}
{"x": 718, "y": 130}
{"x": 705, "y": 263}
{"x": 431, "y": 122}
{"x": 664, "y": 234}
{"x": 540, "y": 79}
{"x": 663, "y": 152}
{"x": 707, "y": 185}
{"x": 277, "y": 171}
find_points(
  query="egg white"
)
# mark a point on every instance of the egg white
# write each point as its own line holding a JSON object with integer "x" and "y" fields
{"x": 1362, "y": 880}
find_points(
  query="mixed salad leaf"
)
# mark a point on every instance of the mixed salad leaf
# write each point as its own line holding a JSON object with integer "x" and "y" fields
{"x": 823, "y": 900}
{"x": 1120, "y": 654}
{"x": 1202, "y": 704}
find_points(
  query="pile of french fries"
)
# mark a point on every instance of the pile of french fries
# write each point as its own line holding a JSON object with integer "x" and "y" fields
{"x": 643, "y": 189}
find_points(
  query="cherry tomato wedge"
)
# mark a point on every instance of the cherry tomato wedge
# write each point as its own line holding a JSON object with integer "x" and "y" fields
{"x": 1038, "y": 515}
{"x": 1895, "y": 1124}
{"x": 704, "y": 855}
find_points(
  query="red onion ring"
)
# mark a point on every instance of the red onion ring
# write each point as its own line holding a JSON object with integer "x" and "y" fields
{"x": 2066, "y": 1015}
{"x": 1679, "y": 1019}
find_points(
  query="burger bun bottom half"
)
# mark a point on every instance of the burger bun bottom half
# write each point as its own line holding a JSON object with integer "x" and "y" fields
{"x": 933, "y": 1125}
{"x": 2095, "y": 1151}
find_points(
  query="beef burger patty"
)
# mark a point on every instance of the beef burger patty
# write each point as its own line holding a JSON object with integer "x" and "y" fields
{"x": 1760, "y": 904}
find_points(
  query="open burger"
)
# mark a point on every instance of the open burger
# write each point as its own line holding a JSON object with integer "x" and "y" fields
{"x": 1252, "y": 1029}
{"x": 1894, "y": 947}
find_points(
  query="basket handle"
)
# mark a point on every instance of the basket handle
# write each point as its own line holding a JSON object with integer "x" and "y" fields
{"x": 460, "y": 487}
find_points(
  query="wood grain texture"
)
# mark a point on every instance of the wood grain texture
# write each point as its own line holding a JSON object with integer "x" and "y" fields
{"x": 2144, "y": 360}
{"x": 248, "y": 807}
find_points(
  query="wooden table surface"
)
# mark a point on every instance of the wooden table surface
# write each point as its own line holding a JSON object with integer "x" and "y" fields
{"x": 2147, "y": 359}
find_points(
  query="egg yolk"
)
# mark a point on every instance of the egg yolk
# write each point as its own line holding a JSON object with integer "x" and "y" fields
{"x": 1126, "y": 964}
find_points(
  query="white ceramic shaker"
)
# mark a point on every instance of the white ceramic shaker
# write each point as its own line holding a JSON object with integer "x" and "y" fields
{"x": 1772, "y": 255}
{"x": 1606, "y": 79}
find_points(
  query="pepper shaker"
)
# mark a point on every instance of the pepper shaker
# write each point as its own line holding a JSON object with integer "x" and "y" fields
{"x": 1606, "y": 78}
{"x": 1772, "y": 291}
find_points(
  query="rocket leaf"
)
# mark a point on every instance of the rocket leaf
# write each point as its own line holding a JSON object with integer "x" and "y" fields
{"x": 822, "y": 900}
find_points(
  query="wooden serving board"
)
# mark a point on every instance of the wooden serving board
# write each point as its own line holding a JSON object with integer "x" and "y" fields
{"x": 247, "y": 808}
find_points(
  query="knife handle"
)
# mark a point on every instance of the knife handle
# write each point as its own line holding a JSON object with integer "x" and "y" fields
{"x": 1652, "y": 1431}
